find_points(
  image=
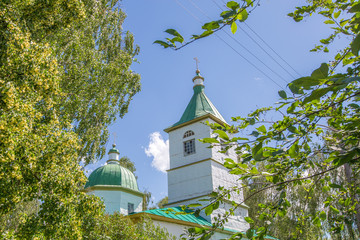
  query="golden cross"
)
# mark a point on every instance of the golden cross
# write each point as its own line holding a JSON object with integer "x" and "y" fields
{"x": 197, "y": 63}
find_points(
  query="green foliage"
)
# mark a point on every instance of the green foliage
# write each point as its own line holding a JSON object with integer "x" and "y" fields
{"x": 64, "y": 77}
{"x": 280, "y": 156}
{"x": 117, "y": 226}
{"x": 163, "y": 202}
{"x": 127, "y": 163}
{"x": 236, "y": 12}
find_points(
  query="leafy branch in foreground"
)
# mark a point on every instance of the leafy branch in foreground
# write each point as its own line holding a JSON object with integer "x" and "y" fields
{"x": 321, "y": 118}
{"x": 235, "y": 12}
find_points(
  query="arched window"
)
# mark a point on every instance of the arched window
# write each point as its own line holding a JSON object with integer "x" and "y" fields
{"x": 188, "y": 134}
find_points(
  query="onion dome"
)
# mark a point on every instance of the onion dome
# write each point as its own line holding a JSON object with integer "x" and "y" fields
{"x": 112, "y": 174}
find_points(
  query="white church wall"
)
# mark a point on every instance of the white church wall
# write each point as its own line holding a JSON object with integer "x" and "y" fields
{"x": 222, "y": 178}
{"x": 172, "y": 228}
{"x": 190, "y": 181}
{"x": 117, "y": 201}
{"x": 235, "y": 222}
{"x": 178, "y": 229}
{"x": 220, "y": 157}
{"x": 177, "y": 149}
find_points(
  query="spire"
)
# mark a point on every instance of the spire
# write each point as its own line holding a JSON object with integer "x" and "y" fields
{"x": 113, "y": 155}
{"x": 199, "y": 105}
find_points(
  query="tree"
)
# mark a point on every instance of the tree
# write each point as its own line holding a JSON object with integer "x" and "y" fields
{"x": 117, "y": 226}
{"x": 64, "y": 77}
{"x": 323, "y": 108}
{"x": 127, "y": 163}
{"x": 163, "y": 202}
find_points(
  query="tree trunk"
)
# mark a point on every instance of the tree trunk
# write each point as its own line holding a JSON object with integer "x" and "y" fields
{"x": 350, "y": 180}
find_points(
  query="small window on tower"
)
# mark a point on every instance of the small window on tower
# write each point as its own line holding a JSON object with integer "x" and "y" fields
{"x": 188, "y": 134}
{"x": 130, "y": 208}
{"x": 189, "y": 147}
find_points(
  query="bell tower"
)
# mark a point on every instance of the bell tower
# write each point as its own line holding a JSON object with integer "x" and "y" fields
{"x": 195, "y": 169}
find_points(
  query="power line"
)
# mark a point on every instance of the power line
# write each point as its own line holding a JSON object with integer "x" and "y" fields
{"x": 265, "y": 44}
{"x": 194, "y": 16}
{"x": 271, "y": 48}
{"x": 244, "y": 47}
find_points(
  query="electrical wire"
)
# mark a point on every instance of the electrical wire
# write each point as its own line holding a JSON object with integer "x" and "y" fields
{"x": 271, "y": 48}
{"x": 267, "y": 53}
{"x": 266, "y": 75}
{"x": 244, "y": 47}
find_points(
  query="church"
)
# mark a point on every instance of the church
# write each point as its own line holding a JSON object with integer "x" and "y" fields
{"x": 195, "y": 172}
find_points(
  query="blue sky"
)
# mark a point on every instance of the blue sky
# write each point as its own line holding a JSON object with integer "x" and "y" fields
{"x": 233, "y": 84}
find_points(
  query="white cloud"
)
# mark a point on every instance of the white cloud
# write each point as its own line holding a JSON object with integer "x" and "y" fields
{"x": 159, "y": 150}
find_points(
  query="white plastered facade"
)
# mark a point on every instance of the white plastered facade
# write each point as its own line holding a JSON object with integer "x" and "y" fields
{"x": 116, "y": 200}
{"x": 192, "y": 177}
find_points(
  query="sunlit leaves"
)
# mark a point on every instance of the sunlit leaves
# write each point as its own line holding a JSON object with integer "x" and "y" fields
{"x": 53, "y": 70}
{"x": 355, "y": 45}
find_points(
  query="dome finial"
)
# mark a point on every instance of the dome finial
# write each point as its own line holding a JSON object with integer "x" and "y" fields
{"x": 113, "y": 154}
{"x": 198, "y": 79}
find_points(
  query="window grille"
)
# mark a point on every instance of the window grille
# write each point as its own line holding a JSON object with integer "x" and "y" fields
{"x": 189, "y": 147}
{"x": 188, "y": 134}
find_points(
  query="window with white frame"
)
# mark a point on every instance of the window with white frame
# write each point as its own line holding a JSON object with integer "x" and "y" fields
{"x": 189, "y": 147}
{"x": 188, "y": 134}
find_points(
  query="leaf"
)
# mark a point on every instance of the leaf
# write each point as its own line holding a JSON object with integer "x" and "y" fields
{"x": 257, "y": 152}
{"x": 194, "y": 205}
{"x": 262, "y": 129}
{"x": 282, "y": 94}
{"x": 209, "y": 140}
{"x": 355, "y": 45}
{"x": 211, "y": 25}
{"x": 209, "y": 209}
{"x": 232, "y": 5}
{"x": 242, "y": 15}
{"x": 294, "y": 150}
{"x": 316, "y": 94}
{"x": 233, "y": 27}
{"x": 317, "y": 222}
{"x": 321, "y": 72}
{"x": 333, "y": 185}
{"x": 228, "y": 14}
{"x": 334, "y": 209}
{"x": 164, "y": 44}
{"x": 322, "y": 215}
{"x": 249, "y": 220}
{"x": 337, "y": 14}
{"x": 329, "y": 22}
{"x": 173, "y": 32}
{"x": 222, "y": 134}
{"x": 306, "y": 82}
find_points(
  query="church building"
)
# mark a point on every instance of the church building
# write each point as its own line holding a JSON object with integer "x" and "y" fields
{"x": 195, "y": 172}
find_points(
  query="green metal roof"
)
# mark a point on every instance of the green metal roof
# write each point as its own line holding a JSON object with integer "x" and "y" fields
{"x": 178, "y": 213}
{"x": 112, "y": 174}
{"x": 198, "y": 106}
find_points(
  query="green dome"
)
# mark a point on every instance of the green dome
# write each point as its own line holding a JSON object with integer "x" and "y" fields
{"x": 112, "y": 174}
